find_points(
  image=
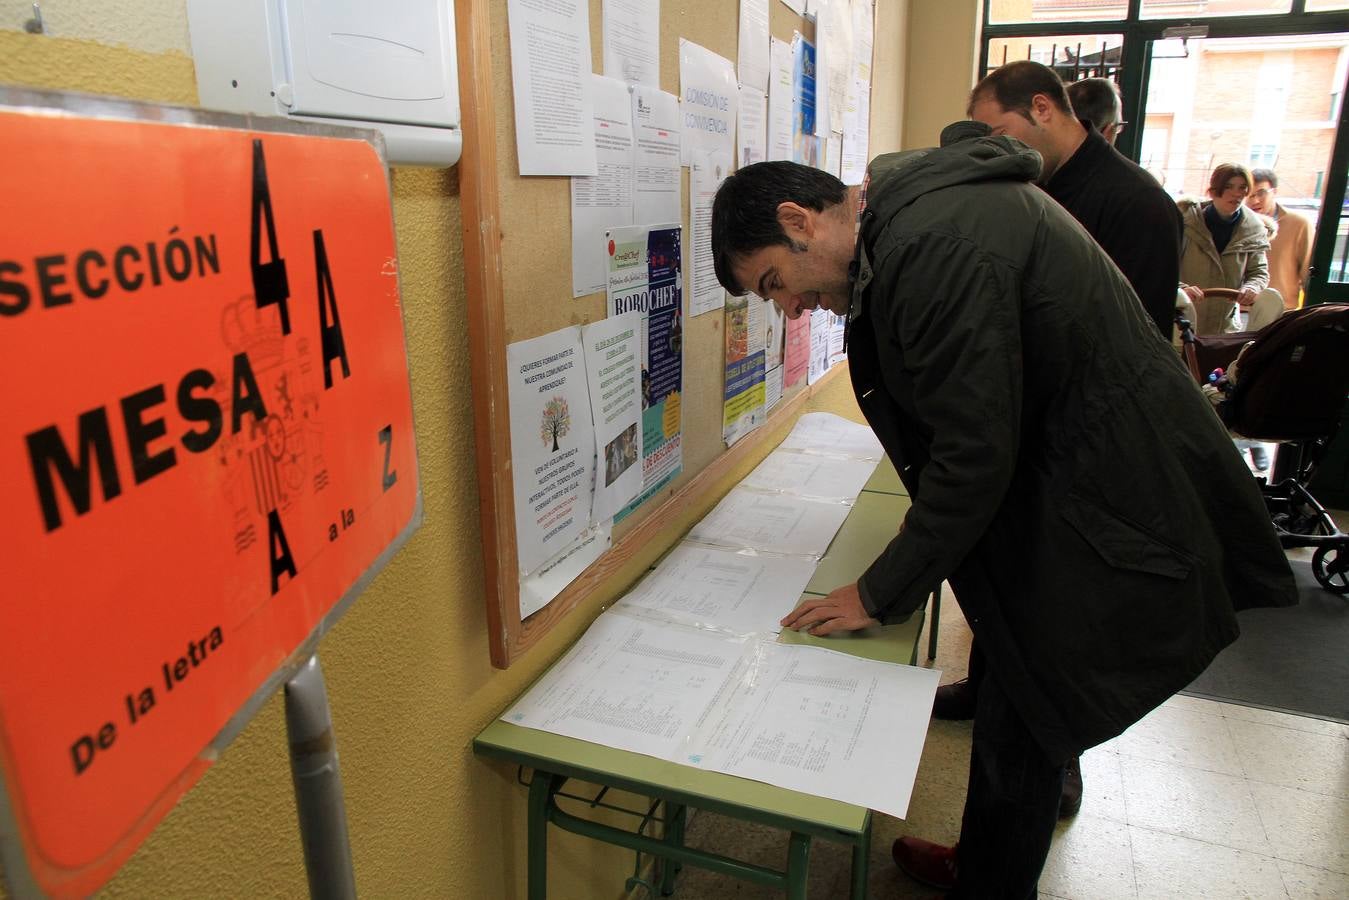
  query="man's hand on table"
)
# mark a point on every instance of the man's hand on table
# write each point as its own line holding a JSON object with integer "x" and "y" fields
{"x": 842, "y": 610}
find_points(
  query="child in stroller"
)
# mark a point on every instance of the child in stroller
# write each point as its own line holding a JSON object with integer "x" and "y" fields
{"x": 1286, "y": 383}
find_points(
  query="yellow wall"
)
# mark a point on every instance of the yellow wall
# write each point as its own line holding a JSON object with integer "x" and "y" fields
{"x": 888, "y": 77}
{"x": 942, "y": 54}
{"x": 407, "y": 668}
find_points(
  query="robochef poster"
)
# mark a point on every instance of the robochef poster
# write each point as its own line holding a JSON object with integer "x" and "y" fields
{"x": 206, "y": 446}
{"x": 644, "y": 276}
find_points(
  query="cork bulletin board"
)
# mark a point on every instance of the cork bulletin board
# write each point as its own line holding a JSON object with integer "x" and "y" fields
{"x": 517, "y": 252}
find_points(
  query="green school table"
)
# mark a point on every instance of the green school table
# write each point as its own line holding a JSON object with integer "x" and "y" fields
{"x": 555, "y": 759}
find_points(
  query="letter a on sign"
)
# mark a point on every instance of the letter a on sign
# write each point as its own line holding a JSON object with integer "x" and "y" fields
{"x": 173, "y": 457}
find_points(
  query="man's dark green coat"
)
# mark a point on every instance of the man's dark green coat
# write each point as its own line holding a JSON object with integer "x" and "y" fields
{"x": 1067, "y": 475}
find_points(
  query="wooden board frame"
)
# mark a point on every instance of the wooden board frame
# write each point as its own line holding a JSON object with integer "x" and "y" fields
{"x": 479, "y": 185}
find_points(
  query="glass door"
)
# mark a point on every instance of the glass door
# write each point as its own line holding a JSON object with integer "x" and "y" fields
{"x": 1329, "y": 278}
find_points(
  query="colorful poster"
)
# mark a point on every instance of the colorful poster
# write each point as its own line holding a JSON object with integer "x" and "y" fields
{"x": 207, "y": 450}
{"x": 552, "y": 444}
{"x": 805, "y": 146}
{"x": 796, "y": 355}
{"x": 645, "y": 275}
{"x": 743, "y": 404}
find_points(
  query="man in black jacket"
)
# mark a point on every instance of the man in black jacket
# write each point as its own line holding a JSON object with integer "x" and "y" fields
{"x": 1096, "y": 101}
{"x": 1120, "y": 204}
{"x": 1098, "y": 527}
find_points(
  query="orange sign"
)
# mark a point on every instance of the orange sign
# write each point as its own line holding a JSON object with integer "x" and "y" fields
{"x": 205, "y": 443}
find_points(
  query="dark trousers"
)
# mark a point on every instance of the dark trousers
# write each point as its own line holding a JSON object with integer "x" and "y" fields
{"x": 1011, "y": 805}
{"x": 975, "y": 672}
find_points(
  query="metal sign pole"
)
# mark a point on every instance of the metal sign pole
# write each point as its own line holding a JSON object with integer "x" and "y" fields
{"x": 318, "y": 786}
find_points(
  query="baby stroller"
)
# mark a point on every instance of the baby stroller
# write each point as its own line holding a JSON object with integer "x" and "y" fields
{"x": 1288, "y": 383}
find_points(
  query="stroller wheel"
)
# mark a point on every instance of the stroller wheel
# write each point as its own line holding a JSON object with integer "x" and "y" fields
{"x": 1331, "y": 568}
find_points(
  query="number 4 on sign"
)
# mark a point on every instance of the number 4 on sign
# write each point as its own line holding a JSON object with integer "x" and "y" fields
{"x": 271, "y": 285}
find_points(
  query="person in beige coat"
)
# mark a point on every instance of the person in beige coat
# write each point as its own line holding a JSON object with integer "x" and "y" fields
{"x": 1290, "y": 253}
{"x": 1224, "y": 245}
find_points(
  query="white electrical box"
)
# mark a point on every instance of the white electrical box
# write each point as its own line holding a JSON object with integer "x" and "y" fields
{"x": 388, "y": 65}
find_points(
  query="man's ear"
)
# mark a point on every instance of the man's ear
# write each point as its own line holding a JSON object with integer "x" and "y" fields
{"x": 1042, "y": 108}
{"x": 797, "y": 222}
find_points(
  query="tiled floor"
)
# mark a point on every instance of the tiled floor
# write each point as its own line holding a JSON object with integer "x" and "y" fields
{"x": 1199, "y": 799}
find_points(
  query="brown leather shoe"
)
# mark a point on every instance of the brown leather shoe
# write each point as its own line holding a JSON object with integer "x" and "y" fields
{"x": 925, "y": 862}
{"x": 1070, "y": 801}
{"x": 955, "y": 702}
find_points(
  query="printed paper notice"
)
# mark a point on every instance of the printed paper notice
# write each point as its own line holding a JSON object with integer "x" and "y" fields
{"x": 552, "y": 444}
{"x": 834, "y": 43}
{"x": 743, "y": 404}
{"x": 863, "y": 32}
{"x": 780, "y": 97}
{"x": 813, "y": 720}
{"x": 833, "y": 153}
{"x": 838, "y": 326}
{"x": 777, "y": 523}
{"x": 539, "y": 588}
{"x": 774, "y": 345}
{"x": 715, "y": 588}
{"x": 644, "y": 277}
{"x": 613, "y": 368}
{"x": 819, "y": 344}
{"x": 833, "y": 435}
{"x": 632, "y": 41}
{"x": 796, "y": 355}
{"x": 631, "y": 684}
{"x": 804, "y": 718}
{"x": 709, "y": 97}
{"x": 655, "y": 119}
{"x": 707, "y": 174}
{"x": 752, "y": 135}
{"x": 789, "y": 471}
{"x": 550, "y": 68}
{"x": 602, "y": 201}
{"x": 753, "y": 56}
{"x": 856, "y": 133}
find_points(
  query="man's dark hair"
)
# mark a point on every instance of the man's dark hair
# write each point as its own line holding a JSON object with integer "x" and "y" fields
{"x": 745, "y": 211}
{"x": 1096, "y": 100}
{"x": 1264, "y": 175}
{"x": 1014, "y": 84}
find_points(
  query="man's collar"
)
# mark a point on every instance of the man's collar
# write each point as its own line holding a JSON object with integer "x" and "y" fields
{"x": 1078, "y": 166}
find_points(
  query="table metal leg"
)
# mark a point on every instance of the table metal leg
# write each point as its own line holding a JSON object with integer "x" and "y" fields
{"x": 675, "y": 817}
{"x": 541, "y": 790}
{"x": 861, "y": 862}
{"x": 798, "y": 865}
